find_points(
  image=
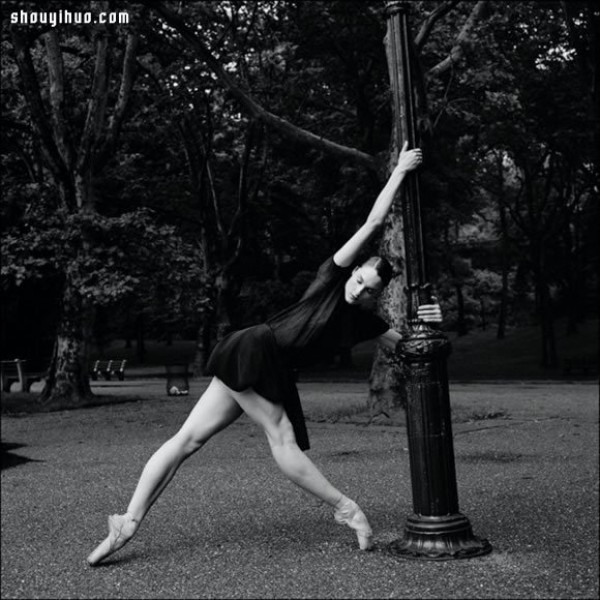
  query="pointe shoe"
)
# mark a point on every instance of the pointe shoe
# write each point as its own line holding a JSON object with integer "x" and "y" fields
{"x": 350, "y": 514}
{"x": 120, "y": 530}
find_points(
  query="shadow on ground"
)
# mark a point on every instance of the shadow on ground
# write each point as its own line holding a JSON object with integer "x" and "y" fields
{"x": 9, "y": 459}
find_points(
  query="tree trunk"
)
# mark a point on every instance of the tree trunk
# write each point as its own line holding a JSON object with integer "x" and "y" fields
{"x": 461, "y": 323}
{"x": 139, "y": 336}
{"x": 215, "y": 326}
{"x": 128, "y": 328}
{"x": 482, "y": 313}
{"x": 501, "y": 332}
{"x": 203, "y": 348}
{"x": 385, "y": 382}
{"x": 549, "y": 358}
{"x": 222, "y": 317}
{"x": 572, "y": 289}
{"x": 68, "y": 383}
{"x": 386, "y": 385}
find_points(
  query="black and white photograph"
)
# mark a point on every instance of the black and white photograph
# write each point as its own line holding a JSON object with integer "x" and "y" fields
{"x": 300, "y": 299}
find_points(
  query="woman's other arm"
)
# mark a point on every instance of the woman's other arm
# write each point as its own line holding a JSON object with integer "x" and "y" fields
{"x": 430, "y": 313}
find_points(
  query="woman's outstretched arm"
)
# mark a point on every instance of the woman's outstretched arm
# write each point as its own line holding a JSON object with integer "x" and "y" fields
{"x": 408, "y": 160}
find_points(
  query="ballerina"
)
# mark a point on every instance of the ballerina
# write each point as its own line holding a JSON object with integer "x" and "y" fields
{"x": 252, "y": 373}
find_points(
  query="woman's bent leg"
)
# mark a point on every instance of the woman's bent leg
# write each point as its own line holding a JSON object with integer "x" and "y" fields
{"x": 294, "y": 463}
{"x": 297, "y": 467}
{"x": 215, "y": 410}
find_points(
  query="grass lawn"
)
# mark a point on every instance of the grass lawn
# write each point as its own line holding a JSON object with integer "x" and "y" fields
{"x": 480, "y": 355}
{"x": 476, "y": 356}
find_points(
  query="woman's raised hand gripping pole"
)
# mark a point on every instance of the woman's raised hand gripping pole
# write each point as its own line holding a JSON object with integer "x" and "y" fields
{"x": 407, "y": 161}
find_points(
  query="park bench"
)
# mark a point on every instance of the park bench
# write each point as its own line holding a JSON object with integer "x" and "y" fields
{"x": 108, "y": 369}
{"x": 580, "y": 364}
{"x": 14, "y": 371}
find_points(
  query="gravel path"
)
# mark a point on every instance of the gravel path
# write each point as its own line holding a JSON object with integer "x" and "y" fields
{"x": 231, "y": 526}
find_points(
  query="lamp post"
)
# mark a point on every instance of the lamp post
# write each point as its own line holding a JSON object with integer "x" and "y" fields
{"x": 436, "y": 530}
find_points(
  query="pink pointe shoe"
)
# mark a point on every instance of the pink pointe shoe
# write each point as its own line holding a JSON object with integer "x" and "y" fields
{"x": 120, "y": 530}
{"x": 349, "y": 513}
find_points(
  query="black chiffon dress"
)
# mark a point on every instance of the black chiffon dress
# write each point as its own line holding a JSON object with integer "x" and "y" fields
{"x": 263, "y": 356}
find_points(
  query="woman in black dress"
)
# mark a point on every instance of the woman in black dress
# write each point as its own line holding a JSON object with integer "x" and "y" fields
{"x": 252, "y": 373}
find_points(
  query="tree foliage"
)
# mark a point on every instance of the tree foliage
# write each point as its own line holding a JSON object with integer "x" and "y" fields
{"x": 194, "y": 165}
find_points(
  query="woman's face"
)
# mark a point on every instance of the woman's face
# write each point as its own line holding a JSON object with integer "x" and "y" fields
{"x": 363, "y": 287}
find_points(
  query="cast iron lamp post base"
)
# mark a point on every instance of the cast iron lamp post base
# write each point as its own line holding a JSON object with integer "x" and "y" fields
{"x": 439, "y": 538}
{"x": 436, "y": 530}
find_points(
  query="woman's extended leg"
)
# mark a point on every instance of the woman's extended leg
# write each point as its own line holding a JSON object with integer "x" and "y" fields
{"x": 297, "y": 466}
{"x": 215, "y": 410}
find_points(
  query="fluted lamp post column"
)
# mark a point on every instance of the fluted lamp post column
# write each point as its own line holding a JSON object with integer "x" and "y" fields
{"x": 436, "y": 530}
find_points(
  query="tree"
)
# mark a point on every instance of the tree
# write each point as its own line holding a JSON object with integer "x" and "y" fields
{"x": 72, "y": 162}
{"x": 282, "y": 140}
{"x": 77, "y": 84}
{"x": 583, "y": 23}
{"x": 515, "y": 116}
{"x": 225, "y": 157}
{"x": 540, "y": 138}
{"x": 382, "y": 384}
